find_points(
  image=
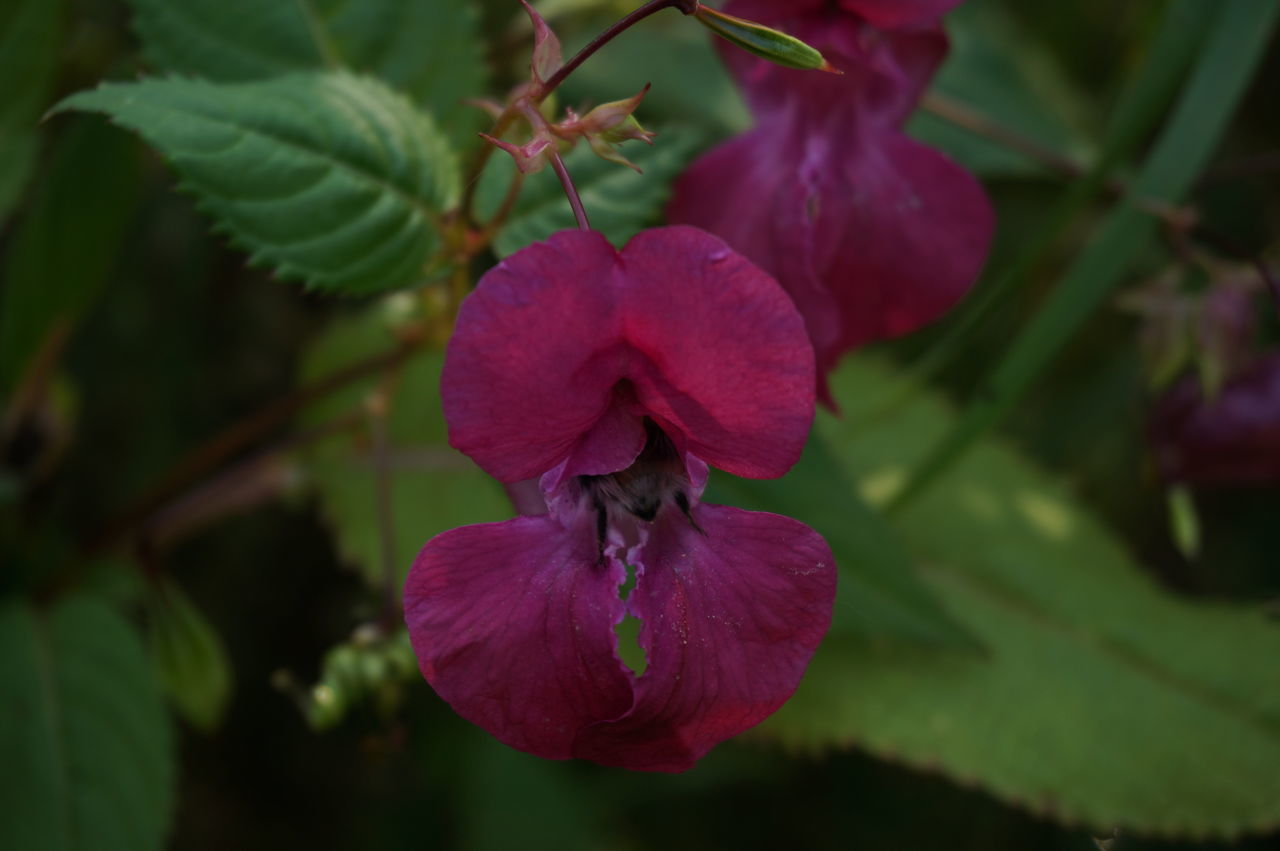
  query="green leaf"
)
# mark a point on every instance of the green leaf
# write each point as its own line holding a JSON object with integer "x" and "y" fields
{"x": 619, "y": 202}
{"x": 30, "y": 32}
{"x": 433, "y": 487}
{"x": 1101, "y": 698}
{"x": 546, "y": 805}
{"x": 427, "y": 48}
{"x": 879, "y": 593}
{"x": 189, "y": 658}
{"x": 1000, "y": 70}
{"x": 1236, "y": 43}
{"x": 82, "y": 202}
{"x": 84, "y": 739}
{"x": 329, "y": 178}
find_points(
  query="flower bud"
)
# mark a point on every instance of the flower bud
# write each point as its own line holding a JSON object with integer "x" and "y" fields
{"x": 547, "y": 56}
{"x": 531, "y": 157}
{"x": 615, "y": 120}
{"x": 777, "y": 47}
{"x": 606, "y": 126}
{"x": 1230, "y": 439}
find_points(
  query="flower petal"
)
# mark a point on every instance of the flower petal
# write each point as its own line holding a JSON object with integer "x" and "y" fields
{"x": 880, "y": 13}
{"x": 871, "y": 241}
{"x": 563, "y": 347}
{"x": 533, "y": 361}
{"x": 513, "y": 625}
{"x": 1233, "y": 439}
{"x": 725, "y": 360}
{"x": 613, "y": 442}
{"x": 526, "y": 497}
{"x": 900, "y": 235}
{"x": 899, "y": 13}
{"x": 884, "y": 72}
{"x": 738, "y": 192}
{"x": 731, "y": 618}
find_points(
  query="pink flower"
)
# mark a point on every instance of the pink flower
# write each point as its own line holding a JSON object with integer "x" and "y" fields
{"x": 1230, "y": 439}
{"x": 872, "y": 233}
{"x": 617, "y": 377}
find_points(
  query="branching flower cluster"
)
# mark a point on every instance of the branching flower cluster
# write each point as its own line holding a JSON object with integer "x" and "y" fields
{"x": 603, "y": 383}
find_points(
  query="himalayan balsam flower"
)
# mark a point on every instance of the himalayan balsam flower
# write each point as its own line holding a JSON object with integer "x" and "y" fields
{"x": 872, "y": 233}
{"x": 1232, "y": 438}
{"x": 616, "y": 377}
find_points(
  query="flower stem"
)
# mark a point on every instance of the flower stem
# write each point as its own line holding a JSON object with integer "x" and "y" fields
{"x": 978, "y": 123}
{"x": 652, "y": 7}
{"x": 1178, "y": 219}
{"x": 508, "y": 205}
{"x": 376, "y": 406}
{"x": 571, "y": 191}
{"x": 504, "y": 121}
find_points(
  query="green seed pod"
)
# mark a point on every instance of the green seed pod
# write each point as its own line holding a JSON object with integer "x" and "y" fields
{"x": 326, "y": 707}
{"x": 764, "y": 42}
{"x": 342, "y": 669}
{"x": 374, "y": 667}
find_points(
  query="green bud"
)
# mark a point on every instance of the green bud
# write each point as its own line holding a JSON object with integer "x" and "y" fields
{"x": 764, "y": 42}
{"x": 326, "y": 707}
{"x": 342, "y": 668}
{"x": 374, "y": 668}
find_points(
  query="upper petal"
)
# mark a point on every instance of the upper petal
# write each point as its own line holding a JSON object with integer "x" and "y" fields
{"x": 567, "y": 344}
{"x": 513, "y": 625}
{"x": 725, "y": 363}
{"x": 532, "y": 362}
{"x": 731, "y": 618}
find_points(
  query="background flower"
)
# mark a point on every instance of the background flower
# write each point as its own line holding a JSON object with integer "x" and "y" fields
{"x": 872, "y": 233}
{"x": 1227, "y": 439}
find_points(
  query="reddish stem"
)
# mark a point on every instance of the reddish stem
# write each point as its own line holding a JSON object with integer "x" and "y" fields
{"x": 579, "y": 212}
{"x": 688, "y": 7}
{"x": 503, "y": 123}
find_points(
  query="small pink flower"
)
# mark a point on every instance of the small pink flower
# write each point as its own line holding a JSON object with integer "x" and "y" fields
{"x": 617, "y": 377}
{"x": 872, "y": 233}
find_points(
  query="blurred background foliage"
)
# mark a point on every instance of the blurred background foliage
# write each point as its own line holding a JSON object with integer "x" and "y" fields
{"x": 1022, "y": 655}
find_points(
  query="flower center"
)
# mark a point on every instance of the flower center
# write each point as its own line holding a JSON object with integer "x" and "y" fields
{"x": 655, "y": 478}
